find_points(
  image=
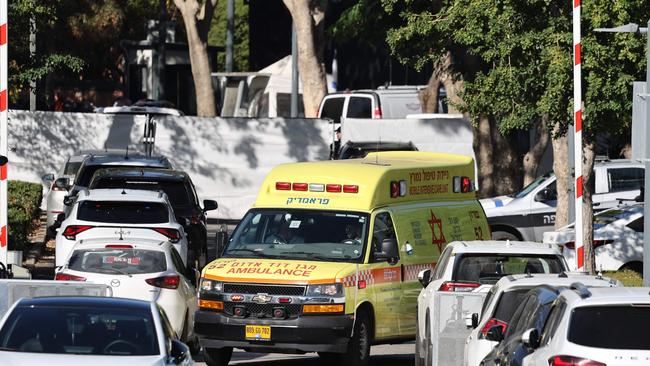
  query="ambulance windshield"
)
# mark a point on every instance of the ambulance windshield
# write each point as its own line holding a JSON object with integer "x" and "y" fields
{"x": 300, "y": 234}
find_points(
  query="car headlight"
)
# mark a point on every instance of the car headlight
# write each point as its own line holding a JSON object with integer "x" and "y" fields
{"x": 331, "y": 290}
{"x": 211, "y": 286}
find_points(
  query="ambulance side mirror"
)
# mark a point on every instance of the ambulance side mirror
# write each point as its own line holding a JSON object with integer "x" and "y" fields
{"x": 388, "y": 252}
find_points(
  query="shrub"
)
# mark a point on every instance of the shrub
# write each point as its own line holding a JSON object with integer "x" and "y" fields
{"x": 23, "y": 211}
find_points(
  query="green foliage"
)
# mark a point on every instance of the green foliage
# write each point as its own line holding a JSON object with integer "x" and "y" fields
{"x": 517, "y": 57}
{"x": 217, "y": 34}
{"x": 23, "y": 211}
{"x": 628, "y": 277}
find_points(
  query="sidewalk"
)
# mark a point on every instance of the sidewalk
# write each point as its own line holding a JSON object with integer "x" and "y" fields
{"x": 40, "y": 258}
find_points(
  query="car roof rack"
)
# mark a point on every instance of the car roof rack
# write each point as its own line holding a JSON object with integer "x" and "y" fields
{"x": 581, "y": 290}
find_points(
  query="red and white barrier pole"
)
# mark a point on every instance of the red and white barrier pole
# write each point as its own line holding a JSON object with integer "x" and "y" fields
{"x": 577, "y": 108}
{"x": 3, "y": 129}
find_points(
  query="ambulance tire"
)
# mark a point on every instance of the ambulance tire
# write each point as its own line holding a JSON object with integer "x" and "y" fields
{"x": 359, "y": 346}
{"x": 217, "y": 356}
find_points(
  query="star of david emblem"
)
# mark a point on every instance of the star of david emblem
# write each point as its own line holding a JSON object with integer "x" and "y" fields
{"x": 437, "y": 235}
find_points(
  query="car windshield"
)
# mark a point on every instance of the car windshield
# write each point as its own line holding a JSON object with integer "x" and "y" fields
{"x": 489, "y": 268}
{"x": 71, "y": 168}
{"x": 611, "y": 327}
{"x": 79, "y": 330}
{"x": 300, "y": 234}
{"x": 175, "y": 190}
{"x": 116, "y": 260}
{"x": 536, "y": 183}
{"x": 131, "y": 212}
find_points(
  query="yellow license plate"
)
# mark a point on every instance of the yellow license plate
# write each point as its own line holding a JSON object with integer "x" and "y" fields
{"x": 258, "y": 332}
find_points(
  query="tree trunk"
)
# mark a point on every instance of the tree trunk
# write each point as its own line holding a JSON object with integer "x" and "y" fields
{"x": 197, "y": 18}
{"x": 562, "y": 174}
{"x": 483, "y": 145}
{"x": 307, "y": 19}
{"x": 429, "y": 96}
{"x": 506, "y": 179}
{"x": 587, "y": 203}
{"x": 536, "y": 152}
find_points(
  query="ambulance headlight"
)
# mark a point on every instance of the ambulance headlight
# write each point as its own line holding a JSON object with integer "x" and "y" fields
{"x": 210, "y": 286}
{"x": 332, "y": 290}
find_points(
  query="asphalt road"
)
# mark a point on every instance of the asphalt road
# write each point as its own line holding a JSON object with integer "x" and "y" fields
{"x": 385, "y": 355}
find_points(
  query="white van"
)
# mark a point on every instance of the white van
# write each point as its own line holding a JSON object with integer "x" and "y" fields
{"x": 385, "y": 102}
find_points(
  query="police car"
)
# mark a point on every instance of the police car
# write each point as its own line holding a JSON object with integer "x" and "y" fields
{"x": 529, "y": 213}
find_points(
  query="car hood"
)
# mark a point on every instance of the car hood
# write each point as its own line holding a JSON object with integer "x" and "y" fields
{"x": 494, "y": 202}
{"x": 40, "y": 359}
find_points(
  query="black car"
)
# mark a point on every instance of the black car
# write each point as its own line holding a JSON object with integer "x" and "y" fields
{"x": 532, "y": 312}
{"x": 181, "y": 192}
{"x": 354, "y": 150}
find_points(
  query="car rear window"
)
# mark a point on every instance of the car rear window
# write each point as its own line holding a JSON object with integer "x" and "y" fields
{"x": 175, "y": 190}
{"x": 131, "y": 212}
{"x": 612, "y": 327}
{"x": 333, "y": 108}
{"x": 80, "y": 330}
{"x": 489, "y": 268}
{"x": 118, "y": 261}
{"x": 508, "y": 303}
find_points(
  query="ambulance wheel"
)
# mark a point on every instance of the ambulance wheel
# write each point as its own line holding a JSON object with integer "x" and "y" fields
{"x": 359, "y": 346}
{"x": 504, "y": 235}
{"x": 217, "y": 356}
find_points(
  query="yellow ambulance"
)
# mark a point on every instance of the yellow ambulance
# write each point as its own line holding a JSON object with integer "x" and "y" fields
{"x": 327, "y": 260}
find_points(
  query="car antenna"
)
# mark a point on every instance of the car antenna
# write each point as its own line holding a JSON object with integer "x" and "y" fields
{"x": 123, "y": 191}
{"x": 126, "y": 156}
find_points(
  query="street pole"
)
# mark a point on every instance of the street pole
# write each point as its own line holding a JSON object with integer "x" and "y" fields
{"x": 4, "y": 104}
{"x": 577, "y": 123}
{"x": 294, "y": 72}
{"x": 646, "y": 196}
{"x": 230, "y": 34}
{"x": 32, "y": 53}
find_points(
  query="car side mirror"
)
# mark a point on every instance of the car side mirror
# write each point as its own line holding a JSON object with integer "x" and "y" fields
{"x": 424, "y": 276}
{"x": 546, "y": 194}
{"x": 178, "y": 352}
{"x": 68, "y": 201}
{"x": 388, "y": 251}
{"x": 471, "y": 321}
{"x": 47, "y": 178}
{"x": 530, "y": 338}
{"x": 60, "y": 217}
{"x": 62, "y": 184}
{"x": 209, "y": 205}
{"x": 494, "y": 334}
{"x": 182, "y": 221}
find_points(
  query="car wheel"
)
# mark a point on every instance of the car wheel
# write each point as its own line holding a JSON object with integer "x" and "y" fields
{"x": 428, "y": 347}
{"x": 503, "y": 235}
{"x": 192, "y": 343}
{"x": 217, "y": 356}
{"x": 419, "y": 361}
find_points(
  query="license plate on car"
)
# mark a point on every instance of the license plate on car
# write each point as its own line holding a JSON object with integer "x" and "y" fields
{"x": 258, "y": 332}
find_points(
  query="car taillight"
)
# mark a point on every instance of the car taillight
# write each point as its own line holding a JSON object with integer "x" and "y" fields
{"x": 377, "y": 112}
{"x": 68, "y": 277}
{"x": 172, "y": 234}
{"x": 459, "y": 286}
{"x": 572, "y": 361}
{"x": 118, "y": 246}
{"x": 492, "y": 322}
{"x": 170, "y": 282}
{"x": 71, "y": 231}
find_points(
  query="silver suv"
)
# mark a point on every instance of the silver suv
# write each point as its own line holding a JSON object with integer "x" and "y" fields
{"x": 528, "y": 214}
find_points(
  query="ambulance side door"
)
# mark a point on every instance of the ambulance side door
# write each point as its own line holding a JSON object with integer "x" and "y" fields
{"x": 387, "y": 278}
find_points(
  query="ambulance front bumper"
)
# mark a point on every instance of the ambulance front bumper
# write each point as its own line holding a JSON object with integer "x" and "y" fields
{"x": 317, "y": 333}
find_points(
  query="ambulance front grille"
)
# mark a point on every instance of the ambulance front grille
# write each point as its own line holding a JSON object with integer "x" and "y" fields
{"x": 263, "y": 310}
{"x": 253, "y": 289}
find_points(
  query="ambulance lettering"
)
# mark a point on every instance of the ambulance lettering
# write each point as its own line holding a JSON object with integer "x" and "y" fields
{"x": 308, "y": 201}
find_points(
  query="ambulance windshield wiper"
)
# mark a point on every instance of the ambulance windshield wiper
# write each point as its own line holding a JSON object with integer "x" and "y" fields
{"x": 311, "y": 255}
{"x": 258, "y": 252}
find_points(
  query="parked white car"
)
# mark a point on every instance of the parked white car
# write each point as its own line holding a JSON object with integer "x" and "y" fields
{"x": 58, "y": 188}
{"x": 86, "y": 330}
{"x": 504, "y": 298}
{"x": 143, "y": 269}
{"x": 528, "y": 214}
{"x": 475, "y": 266}
{"x": 593, "y": 327}
{"x": 618, "y": 239}
{"x": 121, "y": 214}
